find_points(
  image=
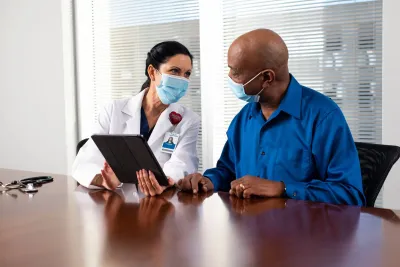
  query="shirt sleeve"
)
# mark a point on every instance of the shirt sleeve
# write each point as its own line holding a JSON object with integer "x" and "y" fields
{"x": 224, "y": 173}
{"x": 89, "y": 161}
{"x": 337, "y": 163}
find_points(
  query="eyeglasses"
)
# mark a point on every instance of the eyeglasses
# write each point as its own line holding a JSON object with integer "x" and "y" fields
{"x": 27, "y": 185}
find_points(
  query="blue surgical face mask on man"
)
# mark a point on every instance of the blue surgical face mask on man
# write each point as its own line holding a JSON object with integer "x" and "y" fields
{"x": 171, "y": 88}
{"x": 238, "y": 89}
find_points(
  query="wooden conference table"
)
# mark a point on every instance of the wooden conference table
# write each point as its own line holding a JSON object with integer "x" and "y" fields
{"x": 66, "y": 226}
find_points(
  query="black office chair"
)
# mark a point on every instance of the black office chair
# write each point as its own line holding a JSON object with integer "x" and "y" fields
{"x": 376, "y": 161}
{"x": 81, "y": 144}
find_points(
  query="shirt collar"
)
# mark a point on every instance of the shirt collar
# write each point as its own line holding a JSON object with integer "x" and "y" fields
{"x": 290, "y": 103}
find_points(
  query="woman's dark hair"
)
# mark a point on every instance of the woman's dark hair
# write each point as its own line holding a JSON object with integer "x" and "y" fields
{"x": 161, "y": 53}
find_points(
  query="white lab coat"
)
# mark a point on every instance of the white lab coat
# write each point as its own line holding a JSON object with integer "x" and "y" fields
{"x": 123, "y": 117}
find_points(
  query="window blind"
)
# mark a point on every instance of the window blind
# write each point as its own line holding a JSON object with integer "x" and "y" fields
{"x": 114, "y": 37}
{"x": 335, "y": 47}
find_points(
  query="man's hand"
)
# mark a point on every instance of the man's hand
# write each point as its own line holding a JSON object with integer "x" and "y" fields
{"x": 107, "y": 179}
{"x": 195, "y": 182}
{"x": 148, "y": 183}
{"x": 248, "y": 186}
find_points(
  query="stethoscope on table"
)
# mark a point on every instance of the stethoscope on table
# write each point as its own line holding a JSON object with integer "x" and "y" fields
{"x": 27, "y": 185}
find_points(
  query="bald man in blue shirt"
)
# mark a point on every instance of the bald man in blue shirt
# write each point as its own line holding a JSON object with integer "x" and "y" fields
{"x": 289, "y": 141}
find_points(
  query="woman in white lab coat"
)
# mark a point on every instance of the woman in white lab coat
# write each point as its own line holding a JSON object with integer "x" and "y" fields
{"x": 154, "y": 114}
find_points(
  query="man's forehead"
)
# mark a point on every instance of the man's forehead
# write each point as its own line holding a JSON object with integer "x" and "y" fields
{"x": 240, "y": 57}
{"x": 236, "y": 54}
{"x": 235, "y": 51}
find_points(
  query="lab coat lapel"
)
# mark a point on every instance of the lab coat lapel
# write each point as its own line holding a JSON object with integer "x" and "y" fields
{"x": 163, "y": 124}
{"x": 133, "y": 115}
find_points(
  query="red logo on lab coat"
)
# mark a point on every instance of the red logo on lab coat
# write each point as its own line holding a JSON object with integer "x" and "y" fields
{"x": 175, "y": 118}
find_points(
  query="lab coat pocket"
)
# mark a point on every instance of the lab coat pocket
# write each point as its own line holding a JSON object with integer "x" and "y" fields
{"x": 292, "y": 163}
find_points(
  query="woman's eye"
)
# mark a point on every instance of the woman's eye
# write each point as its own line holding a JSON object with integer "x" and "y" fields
{"x": 187, "y": 74}
{"x": 175, "y": 71}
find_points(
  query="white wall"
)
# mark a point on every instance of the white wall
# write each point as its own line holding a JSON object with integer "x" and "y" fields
{"x": 36, "y": 121}
{"x": 391, "y": 96}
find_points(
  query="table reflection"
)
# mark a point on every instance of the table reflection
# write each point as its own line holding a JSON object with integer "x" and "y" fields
{"x": 133, "y": 227}
{"x": 254, "y": 206}
{"x": 190, "y": 209}
{"x": 235, "y": 232}
{"x": 193, "y": 199}
{"x": 387, "y": 215}
{"x": 134, "y": 231}
{"x": 281, "y": 230}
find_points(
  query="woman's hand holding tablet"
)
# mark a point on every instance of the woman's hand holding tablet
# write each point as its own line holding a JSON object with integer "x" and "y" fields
{"x": 148, "y": 183}
{"x": 108, "y": 178}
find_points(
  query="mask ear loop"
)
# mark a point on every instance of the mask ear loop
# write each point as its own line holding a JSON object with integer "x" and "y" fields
{"x": 255, "y": 77}
{"x": 159, "y": 72}
{"x": 262, "y": 89}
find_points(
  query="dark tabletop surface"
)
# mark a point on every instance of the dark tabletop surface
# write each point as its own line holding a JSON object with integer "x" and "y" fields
{"x": 66, "y": 226}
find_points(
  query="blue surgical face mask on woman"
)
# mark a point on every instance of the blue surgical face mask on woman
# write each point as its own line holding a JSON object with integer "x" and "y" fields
{"x": 171, "y": 88}
{"x": 238, "y": 89}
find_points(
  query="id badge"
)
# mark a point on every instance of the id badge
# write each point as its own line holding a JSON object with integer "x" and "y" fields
{"x": 169, "y": 143}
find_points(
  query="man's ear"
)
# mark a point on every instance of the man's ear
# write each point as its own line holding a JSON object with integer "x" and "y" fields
{"x": 268, "y": 77}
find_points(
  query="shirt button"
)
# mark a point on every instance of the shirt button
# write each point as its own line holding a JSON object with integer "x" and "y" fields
{"x": 263, "y": 153}
{"x": 294, "y": 194}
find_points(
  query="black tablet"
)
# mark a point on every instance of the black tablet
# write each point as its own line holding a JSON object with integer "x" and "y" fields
{"x": 127, "y": 154}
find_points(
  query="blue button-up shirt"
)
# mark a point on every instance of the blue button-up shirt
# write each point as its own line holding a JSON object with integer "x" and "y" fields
{"x": 306, "y": 143}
